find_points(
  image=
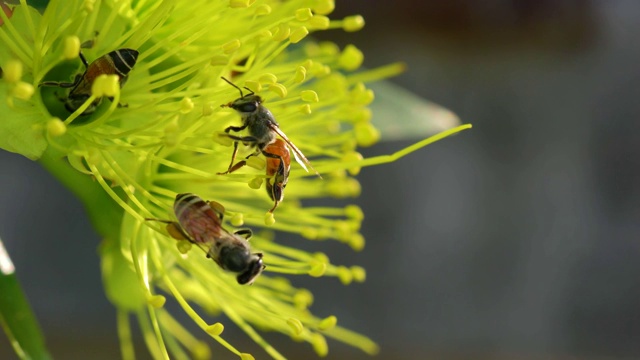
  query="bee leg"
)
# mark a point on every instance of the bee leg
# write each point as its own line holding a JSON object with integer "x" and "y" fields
{"x": 234, "y": 167}
{"x": 119, "y": 104}
{"x": 218, "y": 208}
{"x": 275, "y": 205}
{"x": 235, "y": 128}
{"x": 84, "y": 60}
{"x": 75, "y": 82}
{"x": 244, "y": 139}
{"x": 233, "y": 158}
{"x": 172, "y": 228}
{"x": 245, "y": 233}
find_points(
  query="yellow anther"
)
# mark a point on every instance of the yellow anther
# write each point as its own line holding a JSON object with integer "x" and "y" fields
{"x": 303, "y": 298}
{"x": 303, "y": 14}
{"x": 215, "y": 329}
{"x": 56, "y": 127}
{"x": 319, "y": 344}
{"x": 328, "y": 323}
{"x": 319, "y": 22}
{"x": 309, "y": 233}
{"x": 305, "y": 109}
{"x": 352, "y": 157}
{"x": 157, "y": 301}
{"x": 256, "y": 162}
{"x": 88, "y": 5}
{"x": 207, "y": 108}
{"x": 279, "y": 89}
{"x": 329, "y": 48}
{"x": 237, "y": 220}
{"x": 265, "y": 34}
{"x": 359, "y": 273}
{"x": 298, "y": 34}
{"x": 219, "y": 60}
{"x": 281, "y": 32}
{"x": 301, "y": 74}
{"x": 255, "y": 183}
{"x": 309, "y": 96}
{"x": 360, "y": 114}
{"x": 307, "y": 64}
{"x": 245, "y": 356}
{"x": 268, "y": 78}
{"x": 269, "y": 219}
{"x": 354, "y": 212}
{"x": 322, "y": 257}
{"x": 184, "y": 246}
{"x": 23, "y": 90}
{"x": 253, "y": 85}
{"x": 296, "y": 325}
{"x": 353, "y": 23}
{"x": 318, "y": 269}
{"x": 231, "y": 46}
{"x": 351, "y": 58}
{"x": 240, "y": 4}
{"x": 357, "y": 242}
{"x": 324, "y": 7}
{"x": 360, "y": 95}
{"x": 320, "y": 70}
{"x": 263, "y": 10}
{"x": 71, "y": 47}
{"x": 366, "y": 134}
{"x": 105, "y": 85}
{"x": 345, "y": 276}
{"x": 12, "y": 71}
{"x": 186, "y": 105}
{"x": 201, "y": 351}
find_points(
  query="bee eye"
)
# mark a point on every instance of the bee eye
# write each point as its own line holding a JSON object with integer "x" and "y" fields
{"x": 248, "y": 107}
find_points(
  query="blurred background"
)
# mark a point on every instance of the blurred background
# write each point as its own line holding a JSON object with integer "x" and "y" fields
{"x": 517, "y": 239}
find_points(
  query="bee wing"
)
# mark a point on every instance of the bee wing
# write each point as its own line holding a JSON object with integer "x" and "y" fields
{"x": 297, "y": 154}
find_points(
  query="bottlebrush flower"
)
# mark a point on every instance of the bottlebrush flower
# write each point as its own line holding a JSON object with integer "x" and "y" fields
{"x": 162, "y": 134}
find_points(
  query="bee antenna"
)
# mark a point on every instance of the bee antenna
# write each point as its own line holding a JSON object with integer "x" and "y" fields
{"x": 251, "y": 91}
{"x": 235, "y": 86}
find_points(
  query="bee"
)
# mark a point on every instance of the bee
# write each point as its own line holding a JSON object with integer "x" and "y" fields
{"x": 200, "y": 223}
{"x": 262, "y": 127}
{"x": 278, "y": 166}
{"x": 118, "y": 62}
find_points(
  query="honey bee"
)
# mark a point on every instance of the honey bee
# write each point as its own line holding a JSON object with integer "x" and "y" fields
{"x": 262, "y": 127}
{"x": 200, "y": 223}
{"x": 118, "y": 62}
{"x": 278, "y": 166}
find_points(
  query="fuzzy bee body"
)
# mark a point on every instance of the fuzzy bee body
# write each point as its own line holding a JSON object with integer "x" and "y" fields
{"x": 200, "y": 222}
{"x": 277, "y": 171}
{"x": 261, "y": 126}
{"x": 117, "y": 62}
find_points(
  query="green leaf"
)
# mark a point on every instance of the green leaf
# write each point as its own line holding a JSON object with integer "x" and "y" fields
{"x": 21, "y": 127}
{"x": 16, "y": 316}
{"x": 401, "y": 115}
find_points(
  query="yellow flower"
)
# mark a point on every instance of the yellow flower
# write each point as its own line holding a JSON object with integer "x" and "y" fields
{"x": 168, "y": 138}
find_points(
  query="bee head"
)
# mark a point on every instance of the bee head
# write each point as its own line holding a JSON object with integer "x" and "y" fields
{"x": 253, "y": 270}
{"x": 245, "y": 105}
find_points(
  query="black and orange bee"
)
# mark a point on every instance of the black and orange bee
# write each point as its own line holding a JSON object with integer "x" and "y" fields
{"x": 278, "y": 166}
{"x": 200, "y": 222}
{"x": 262, "y": 127}
{"x": 118, "y": 62}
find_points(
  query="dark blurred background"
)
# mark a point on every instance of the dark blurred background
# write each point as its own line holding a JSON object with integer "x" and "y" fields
{"x": 517, "y": 239}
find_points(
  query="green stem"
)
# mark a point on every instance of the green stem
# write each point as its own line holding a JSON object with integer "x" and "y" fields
{"x": 104, "y": 213}
{"x": 16, "y": 316}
